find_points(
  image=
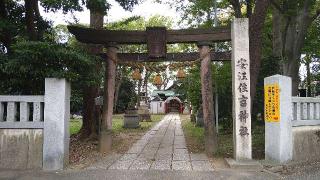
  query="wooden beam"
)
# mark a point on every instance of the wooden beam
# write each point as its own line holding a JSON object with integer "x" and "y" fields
{"x": 178, "y": 57}
{"x": 99, "y": 36}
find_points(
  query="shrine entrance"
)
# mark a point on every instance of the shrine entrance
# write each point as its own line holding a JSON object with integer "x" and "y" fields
{"x": 173, "y": 104}
{"x": 156, "y": 39}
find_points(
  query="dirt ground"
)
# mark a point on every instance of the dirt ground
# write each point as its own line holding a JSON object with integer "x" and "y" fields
{"x": 84, "y": 153}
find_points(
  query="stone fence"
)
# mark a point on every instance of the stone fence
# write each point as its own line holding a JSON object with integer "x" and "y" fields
{"x": 34, "y": 130}
{"x": 306, "y": 111}
{"x": 292, "y": 124}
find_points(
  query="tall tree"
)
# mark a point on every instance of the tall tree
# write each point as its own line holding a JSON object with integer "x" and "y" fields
{"x": 11, "y": 23}
{"x": 90, "y": 125}
{"x": 256, "y": 17}
{"x": 98, "y": 9}
{"x": 291, "y": 20}
{"x": 312, "y": 57}
{"x": 23, "y": 20}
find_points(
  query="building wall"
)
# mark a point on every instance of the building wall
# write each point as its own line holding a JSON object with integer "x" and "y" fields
{"x": 157, "y": 107}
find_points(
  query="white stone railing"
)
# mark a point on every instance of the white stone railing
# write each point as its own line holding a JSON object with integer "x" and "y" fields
{"x": 21, "y": 112}
{"x": 306, "y": 111}
{"x": 48, "y": 114}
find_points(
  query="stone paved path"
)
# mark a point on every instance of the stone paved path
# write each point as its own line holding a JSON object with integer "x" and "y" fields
{"x": 162, "y": 148}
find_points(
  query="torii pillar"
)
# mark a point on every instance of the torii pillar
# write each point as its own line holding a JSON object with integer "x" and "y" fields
{"x": 105, "y": 138}
{"x": 210, "y": 134}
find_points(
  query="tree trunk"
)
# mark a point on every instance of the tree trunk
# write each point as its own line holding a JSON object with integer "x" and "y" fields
{"x": 105, "y": 140}
{"x": 30, "y": 19}
{"x": 291, "y": 31}
{"x": 146, "y": 77}
{"x": 38, "y": 18}
{"x": 210, "y": 134}
{"x": 308, "y": 79}
{"x": 89, "y": 124}
{"x": 90, "y": 128}
{"x": 276, "y": 34}
{"x": 256, "y": 23}
{"x": 116, "y": 94}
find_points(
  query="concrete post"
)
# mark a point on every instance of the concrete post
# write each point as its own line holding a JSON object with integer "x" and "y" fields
{"x": 56, "y": 124}
{"x": 278, "y": 118}
{"x": 241, "y": 90}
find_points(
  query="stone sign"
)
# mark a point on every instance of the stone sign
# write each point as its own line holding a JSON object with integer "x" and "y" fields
{"x": 241, "y": 89}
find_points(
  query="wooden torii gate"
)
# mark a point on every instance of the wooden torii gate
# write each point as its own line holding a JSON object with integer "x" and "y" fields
{"x": 156, "y": 39}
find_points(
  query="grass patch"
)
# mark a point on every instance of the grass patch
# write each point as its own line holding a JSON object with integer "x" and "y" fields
{"x": 194, "y": 135}
{"x": 195, "y": 139}
{"x": 122, "y": 138}
{"x": 117, "y": 124}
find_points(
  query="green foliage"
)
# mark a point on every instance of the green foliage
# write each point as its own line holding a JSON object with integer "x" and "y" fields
{"x": 222, "y": 83}
{"x": 30, "y": 63}
{"x": 192, "y": 85}
{"x": 200, "y": 13}
{"x": 76, "y": 100}
{"x": 14, "y": 21}
{"x": 64, "y": 5}
{"x": 140, "y": 23}
{"x": 117, "y": 124}
{"x": 101, "y": 6}
{"x": 312, "y": 44}
{"x": 126, "y": 95}
{"x": 127, "y": 4}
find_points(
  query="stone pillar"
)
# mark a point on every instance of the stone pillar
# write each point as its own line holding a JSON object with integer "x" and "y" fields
{"x": 11, "y": 111}
{"x": 241, "y": 90}
{"x": 24, "y": 111}
{"x": 207, "y": 99}
{"x": 105, "y": 139}
{"x": 56, "y": 124}
{"x": 278, "y": 118}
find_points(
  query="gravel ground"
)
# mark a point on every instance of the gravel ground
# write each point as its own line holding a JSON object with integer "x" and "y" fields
{"x": 306, "y": 170}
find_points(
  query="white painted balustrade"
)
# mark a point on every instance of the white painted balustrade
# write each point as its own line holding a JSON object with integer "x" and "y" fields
{"x": 306, "y": 111}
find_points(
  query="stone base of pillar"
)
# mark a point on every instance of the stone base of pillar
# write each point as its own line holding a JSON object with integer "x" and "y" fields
{"x": 243, "y": 164}
{"x": 105, "y": 141}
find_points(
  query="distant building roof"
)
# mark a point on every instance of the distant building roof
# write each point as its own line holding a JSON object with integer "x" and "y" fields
{"x": 163, "y": 93}
{"x": 156, "y": 98}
